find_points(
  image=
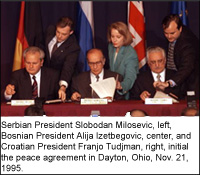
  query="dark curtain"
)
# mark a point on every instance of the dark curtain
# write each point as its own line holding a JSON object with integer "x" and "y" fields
{"x": 104, "y": 14}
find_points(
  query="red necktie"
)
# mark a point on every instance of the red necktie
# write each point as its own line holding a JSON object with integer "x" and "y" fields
{"x": 34, "y": 88}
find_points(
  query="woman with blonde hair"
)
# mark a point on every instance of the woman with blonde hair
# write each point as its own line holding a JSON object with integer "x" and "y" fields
{"x": 123, "y": 58}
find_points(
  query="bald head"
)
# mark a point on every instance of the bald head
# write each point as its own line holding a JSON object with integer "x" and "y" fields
{"x": 95, "y": 60}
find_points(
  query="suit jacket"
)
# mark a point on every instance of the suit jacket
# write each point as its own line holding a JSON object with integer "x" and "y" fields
{"x": 48, "y": 86}
{"x": 144, "y": 82}
{"x": 186, "y": 58}
{"x": 81, "y": 84}
{"x": 126, "y": 64}
{"x": 65, "y": 57}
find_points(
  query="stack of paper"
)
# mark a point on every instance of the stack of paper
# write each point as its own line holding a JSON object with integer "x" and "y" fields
{"x": 105, "y": 87}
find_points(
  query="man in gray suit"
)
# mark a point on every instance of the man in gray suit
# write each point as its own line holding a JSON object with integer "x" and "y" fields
{"x": 81, "y": 83}
{"x": 34, "y": 80}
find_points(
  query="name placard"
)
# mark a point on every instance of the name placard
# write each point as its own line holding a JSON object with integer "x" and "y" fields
{"x": 94, "y": 101}
{"x": 158, "y": 101}
{"x": 22, "y": 102}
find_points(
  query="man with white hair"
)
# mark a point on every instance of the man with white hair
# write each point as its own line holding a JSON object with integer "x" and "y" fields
{"x": 144, "y": 86}
{"x": 34, "y": 80}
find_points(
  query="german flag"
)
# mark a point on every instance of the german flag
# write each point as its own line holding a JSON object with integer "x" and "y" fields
{"x": 30, "y": 32}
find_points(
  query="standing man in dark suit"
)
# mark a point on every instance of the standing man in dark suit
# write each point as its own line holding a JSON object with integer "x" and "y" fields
{"x": 34, "y": 80}
{"x": 62, "y": 50}
{"x": 183, "y": 54}
{"x": 144, "y": 84}
{"x": 81, "y": 84}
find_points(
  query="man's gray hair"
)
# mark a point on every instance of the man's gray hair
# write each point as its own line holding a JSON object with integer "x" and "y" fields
{"x": 33, "y": 50}
{"x": 155, "y": 49}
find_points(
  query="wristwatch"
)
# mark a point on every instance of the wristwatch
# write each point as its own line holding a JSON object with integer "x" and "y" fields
{"x": 169, "y": 83}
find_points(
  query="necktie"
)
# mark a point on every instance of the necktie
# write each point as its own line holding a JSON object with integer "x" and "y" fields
{"x": 158, "y": 78}
{"x": 170, "y": 59}
{"x": 97, "y": 77}
{"x": 94, "y": 94}
{"x": 34, "y": 88}
{"x": 54, "y": 48}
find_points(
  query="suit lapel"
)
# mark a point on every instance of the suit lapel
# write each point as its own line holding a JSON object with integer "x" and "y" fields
{"x": 119, "y": 58}
{"x": 43, "y": 83}
{"x": 149, "y": 83}
{"x": 112, "y": 55}
{"x": 106, "y": 74}
{"x": 62, "y": 47}
{"x": 47, "y": 48}
{"x": 88, "y": 82}
{"x": 83, "y": 85}
{"x": 27, "y": 85}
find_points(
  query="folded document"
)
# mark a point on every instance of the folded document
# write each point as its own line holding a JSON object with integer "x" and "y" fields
{"x": 105, "y": 87}
{"x": 160, "y": 94}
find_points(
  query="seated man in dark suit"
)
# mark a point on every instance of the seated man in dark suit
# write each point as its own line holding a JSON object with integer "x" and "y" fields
{"x": 34, "y": 80}
{"x": 144, "y": 84}
{"x": 81, "y": 83}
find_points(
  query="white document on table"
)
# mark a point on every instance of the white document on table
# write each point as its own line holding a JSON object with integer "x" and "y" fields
{"x": 105, "y": 88}
{"x": 160, "y": 94}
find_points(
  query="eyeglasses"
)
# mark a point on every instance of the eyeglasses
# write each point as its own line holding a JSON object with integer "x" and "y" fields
{"x": 158, "y": 61}
{"x": 95, "y": 63}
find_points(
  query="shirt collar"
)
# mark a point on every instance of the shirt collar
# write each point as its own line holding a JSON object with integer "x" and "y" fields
{"x": 100, "y": 75}
{"x": 36, "y": 75}
{"x": 162, "y": 74}
{"x": 55, "y": 40}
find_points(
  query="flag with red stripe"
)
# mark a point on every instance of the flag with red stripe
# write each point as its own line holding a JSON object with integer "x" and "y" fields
{"x": 136, "y": 25}
{"x": 30, "y": 31}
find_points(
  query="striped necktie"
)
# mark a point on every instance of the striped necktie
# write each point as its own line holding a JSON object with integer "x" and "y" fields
{"x": 170, "y": 58}
{"x": 158, "y": 78}
{"x": 34, "y": 88}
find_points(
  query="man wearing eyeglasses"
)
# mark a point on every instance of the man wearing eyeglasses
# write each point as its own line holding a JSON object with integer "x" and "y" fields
{"x": 144, "y": 86}
{"x": 81, "y": 83}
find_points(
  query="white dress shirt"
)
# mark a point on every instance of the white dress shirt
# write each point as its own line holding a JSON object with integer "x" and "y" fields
{"x": 51, "y": 44}
{"x": 50, "y": 47}
{"x": 162, "y": 76}
{"x": 93, "y": 77}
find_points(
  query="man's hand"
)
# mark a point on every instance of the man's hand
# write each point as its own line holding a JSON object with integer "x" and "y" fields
{"x": 61, "y": 93}
{"x": 118, "y": 86}
{"x": 109, "y": 98}
{"x": 10, "y": 89}
{"x": 145, "y": 94}
{"x": 76, "y": 96}
{"x": 161, "y": 85}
